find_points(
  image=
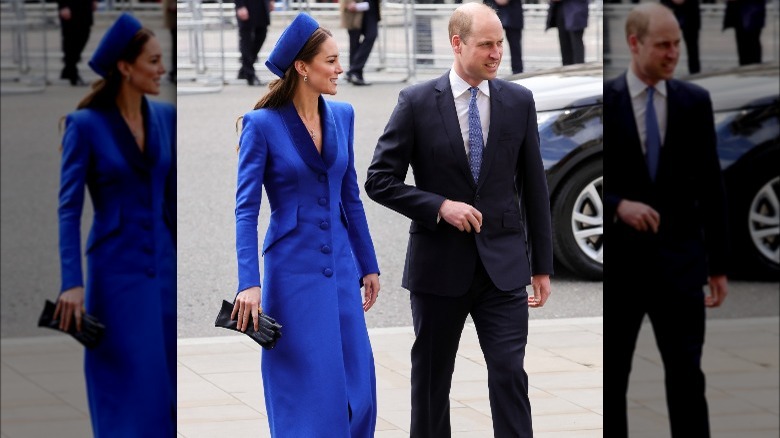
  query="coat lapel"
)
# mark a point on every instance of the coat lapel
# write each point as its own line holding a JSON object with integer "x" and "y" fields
{"x": 497, "y": 112}
{"x": 153, "y": 134}
{"x": 628, "y": 123}
{"x": 449, "y": 116}
{"x": 126, "y": 142}
{"x": 330, "y": 141}
{"x": 301, "y": 139}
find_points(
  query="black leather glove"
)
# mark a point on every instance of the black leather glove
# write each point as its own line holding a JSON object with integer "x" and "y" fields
{"x": 267, "y": 335}
{"x": 91, "y": 329}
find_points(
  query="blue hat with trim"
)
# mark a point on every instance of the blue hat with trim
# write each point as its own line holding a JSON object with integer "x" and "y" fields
{"x": 114, "y": 42}
{"x": 290, "y": 43}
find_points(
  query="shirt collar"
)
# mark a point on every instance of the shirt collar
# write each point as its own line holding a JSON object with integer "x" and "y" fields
{"x": 637, "y": 87}
{"x": 459, "y": 86}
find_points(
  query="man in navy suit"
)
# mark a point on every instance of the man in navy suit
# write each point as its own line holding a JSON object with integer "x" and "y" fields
{"x": 480, "y": 230}
{"x": 665, "y": 222}
{"x": 254, "y": 17}
{"x": 571, "y": 19}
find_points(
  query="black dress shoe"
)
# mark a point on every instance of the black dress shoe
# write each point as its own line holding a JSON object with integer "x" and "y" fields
{"x": 241, "y": 74}
{"x": 359, "y": 81}
{"x": 253, "y": 81}
{"x": 350, "y": 77}
{"x": 76, "y": 81}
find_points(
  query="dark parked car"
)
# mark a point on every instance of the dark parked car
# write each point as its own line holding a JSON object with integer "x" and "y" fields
{"x": 746, "y": 102}
{"x": 746, "y": 105}
{"x": 569, "y": 113}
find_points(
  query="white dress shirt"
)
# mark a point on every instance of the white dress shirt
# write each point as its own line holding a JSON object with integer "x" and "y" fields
{"x": 462, "y": 97}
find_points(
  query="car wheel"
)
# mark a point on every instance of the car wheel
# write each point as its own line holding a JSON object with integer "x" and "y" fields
{"x": 755, "y": 222}
{"x": 578, "y": 222}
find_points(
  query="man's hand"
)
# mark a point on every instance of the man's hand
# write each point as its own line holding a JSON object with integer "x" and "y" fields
{"x": 541, "y": 285}
{"x": 639, "y": 216}
{"x": 718, "y": 291}
{"x": 460, "y": 215}
{"x": 242, "y": 13}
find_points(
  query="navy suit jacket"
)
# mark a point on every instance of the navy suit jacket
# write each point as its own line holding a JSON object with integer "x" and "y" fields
{"x": 745, "y": 14}
{"x": 259, "y": 12}
{"x": 423, "y": 132}
{"x": 688, "y": 191}
{"x": 575, "y": 14}
{"x": 511, "y": 14}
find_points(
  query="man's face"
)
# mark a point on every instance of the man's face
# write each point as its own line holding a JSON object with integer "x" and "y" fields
{"x": 655, "y": 57}
{"x": 478, "y": 57}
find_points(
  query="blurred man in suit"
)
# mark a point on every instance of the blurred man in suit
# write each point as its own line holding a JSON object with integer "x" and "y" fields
{"x": 571, "y": 19}
{"x": 76, "y": 18}
{"x": 254, "y": 17}
{"x": 510, "y": 12}
{"x": 688, "y": 14}
{"x": 747, "y": 17}
{"x": 665, "y": 222}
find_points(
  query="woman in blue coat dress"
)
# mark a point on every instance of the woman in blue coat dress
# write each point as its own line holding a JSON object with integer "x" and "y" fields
{"x": 319, "y": 380}
{"x": 120, "y": 146}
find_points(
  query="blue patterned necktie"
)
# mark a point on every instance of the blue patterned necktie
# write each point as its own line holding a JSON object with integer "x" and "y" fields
{"x": 653, "y": 139}
{"x": 475, "y": 135}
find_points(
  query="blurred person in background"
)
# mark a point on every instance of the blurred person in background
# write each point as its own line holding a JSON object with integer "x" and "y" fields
{"x": 748, "y": 18}
{"x": 688, "y": 14}
{"x": 76, "y": 19}
{"x": 510, "y": 12}
{"x": 254, "y": 17}
{"x": 571, "y": 19}
{"x": 361, "y": 19}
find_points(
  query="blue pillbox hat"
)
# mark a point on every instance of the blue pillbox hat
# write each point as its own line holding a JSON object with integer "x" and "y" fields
{"x": 114, "y": 42}
{"x": 290, "y": 43}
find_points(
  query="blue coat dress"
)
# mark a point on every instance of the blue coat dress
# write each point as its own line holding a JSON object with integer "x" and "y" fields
{"x": 319, "y": 381}
{"x": 131, "y": 264}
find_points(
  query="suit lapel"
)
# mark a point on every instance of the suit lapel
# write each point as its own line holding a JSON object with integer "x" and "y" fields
{"x": 301, "y": 138}
{"x": 628, "y": 122}
{"x": 497, "y": 112}
{"x": 449, "y": 116}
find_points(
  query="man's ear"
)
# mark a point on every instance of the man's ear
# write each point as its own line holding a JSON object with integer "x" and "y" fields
{"x": 456, "y": 42}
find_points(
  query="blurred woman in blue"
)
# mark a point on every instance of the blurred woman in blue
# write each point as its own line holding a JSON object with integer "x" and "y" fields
{"x": 319, "y": 380}
{"x": 121, "y": 147}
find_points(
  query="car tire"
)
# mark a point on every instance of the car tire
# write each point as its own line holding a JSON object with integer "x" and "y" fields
{"x": 753, "y": 212}
{"x": 578, "y": 221}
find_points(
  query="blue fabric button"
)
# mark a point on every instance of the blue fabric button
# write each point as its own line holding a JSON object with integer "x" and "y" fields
{"x": 324, "y": 225}
{"x": 322, "y": 201}
{"x": 327, "y": 272}
{"x": 325, "y": 249}
{"x": 323, "y": 177}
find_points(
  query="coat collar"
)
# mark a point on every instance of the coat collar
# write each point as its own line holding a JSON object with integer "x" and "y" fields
{"x": 302, "y": 140}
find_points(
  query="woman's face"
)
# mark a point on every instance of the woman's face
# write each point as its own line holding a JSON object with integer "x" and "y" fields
{"x": 148, "y": 69}
{"x": 324, "y": 70}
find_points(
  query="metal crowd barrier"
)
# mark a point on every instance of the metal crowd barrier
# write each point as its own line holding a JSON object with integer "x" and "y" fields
{"x": 21, "y": 30}
{"x": 30, "y": 45}
{"x": 412, "y": 40}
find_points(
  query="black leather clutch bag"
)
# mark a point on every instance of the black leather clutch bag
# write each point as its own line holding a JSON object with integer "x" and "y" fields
{"x": 91, "y": 329}
{"x": 269, "y": 333}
